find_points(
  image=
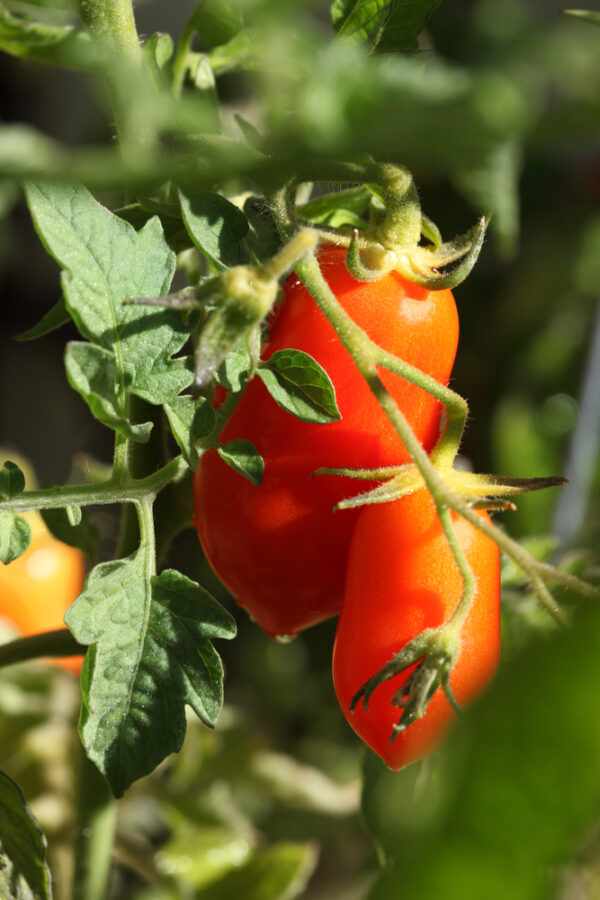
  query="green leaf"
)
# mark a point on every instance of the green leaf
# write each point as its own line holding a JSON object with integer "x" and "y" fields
{"x": 24, "y": 874}
{"x": 386, "y": 24}
{"x": 151, "y": 654}
{"x": 190, "y": 418}
{"x": 301, "y": 386}
{"x": 216, "y": 22}
{"x": 251, "y": 134}
{"x": 216, "y": 226}
{"x": 76, "y": 529}
{"x": 158, "y": 51}
{"x": 243, "y": 457}
{"x": 56, "y": 45}
{"x": 107, "y": 262}
{"x": 241, "y": 53}
{"x": 12, "y": 480}
{"x": 263, "y": 240}
{"x": 203, "y": 79}
{"x": 53, "y": 319}
{"x": 93, "y": 372}
{"x": 15, "y": 536}
{"x": 280, "y": 873}
{"x": 339, "y": 208}
{"x": 527, "y": 751}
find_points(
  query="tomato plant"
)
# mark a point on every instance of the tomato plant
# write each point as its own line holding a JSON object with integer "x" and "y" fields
{"x": 402, "y": 579}
{"x": 280, "y": 547}
{"x": 232, "y": 151}
{"x": 37, "y": 588}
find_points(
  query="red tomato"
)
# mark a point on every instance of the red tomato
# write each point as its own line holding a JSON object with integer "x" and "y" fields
{"x": 280, "y": 548}
{"x": 37, "y": 588}
{"x": 402, "y": 578}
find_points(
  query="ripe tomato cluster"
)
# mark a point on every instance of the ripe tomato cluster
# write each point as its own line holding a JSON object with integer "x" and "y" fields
{"x": 292, "y": 560}
{"x": 37, "y": 588}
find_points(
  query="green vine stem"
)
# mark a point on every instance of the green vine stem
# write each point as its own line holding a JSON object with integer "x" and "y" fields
{"x": 144, "y": 509}
{"x": 112, "y": 23}
{"x": 48, "y": 643}
{"x": 99, "y": 493}
{"x": 180, "y": 61}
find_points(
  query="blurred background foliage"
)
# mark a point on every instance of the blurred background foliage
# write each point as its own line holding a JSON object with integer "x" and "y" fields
{"x": 497, "y": 107}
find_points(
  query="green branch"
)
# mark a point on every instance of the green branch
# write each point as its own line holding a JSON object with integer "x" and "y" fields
{"x": 112, "y": 24}
{"x": 101, "y": 493}
{"x": 47, "y": 644}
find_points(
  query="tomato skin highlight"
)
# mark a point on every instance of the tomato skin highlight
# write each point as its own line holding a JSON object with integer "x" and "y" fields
{"x": 280, "y": 548}
{"x": 401, "y": 579}
{"x": 37, "y": 588}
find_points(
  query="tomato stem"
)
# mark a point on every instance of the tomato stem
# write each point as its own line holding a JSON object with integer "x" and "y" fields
{"x": 182, "y": 54}
{"x": 401, "y": 225}
{"x": 111, "y": 24}
{"x": 144, "y": 509}
{"x": 98, "y": 493}
{"x": 46, "y": 644}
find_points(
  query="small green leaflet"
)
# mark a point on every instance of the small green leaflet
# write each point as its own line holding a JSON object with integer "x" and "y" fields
{"x": 388, "y": 25}
{"x": 53, "y": 319}
{"x": 190, "y": 418}
{"x": 301, "y": 386}
{"x": 243, "y": 457}
{"x": 241, "y": 52}
{"x": 15, "y": 536}
{"x": 130, "y": 345}
{"x": 158, "y": 51}
{"x": 94, "y": 373}
{"x": 215, "y": 225}
{"x": 217, "y": 22}
{"x": 339, "y": 208}
{"x": 233, "y": 371}
{"x": 15, "y": 531}
{"x": 24, "y": 874}
{"x": 12, "y": 480}
{"x": 150, "y": 655}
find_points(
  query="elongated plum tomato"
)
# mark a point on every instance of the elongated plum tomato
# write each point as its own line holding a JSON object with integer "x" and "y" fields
{"x": 401, "y": 579}
{"x": 280, "y": 548}
{"x": 37, "y": 588}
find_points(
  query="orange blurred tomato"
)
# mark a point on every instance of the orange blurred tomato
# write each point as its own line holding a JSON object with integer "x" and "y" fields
{"x": 37, "y": 588}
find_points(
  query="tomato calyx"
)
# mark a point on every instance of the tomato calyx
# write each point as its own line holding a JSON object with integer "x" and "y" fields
{"x": 481, "y": 491}
{"x": 433, "y": 652}
{"x": 429, "y": 266}
{"x": 397, "y": 236}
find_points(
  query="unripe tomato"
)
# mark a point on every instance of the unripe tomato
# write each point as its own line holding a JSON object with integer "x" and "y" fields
{"x": 402, "y": 578}
{"x": 37, "y": 588}
{"x": 280, "y": 548}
